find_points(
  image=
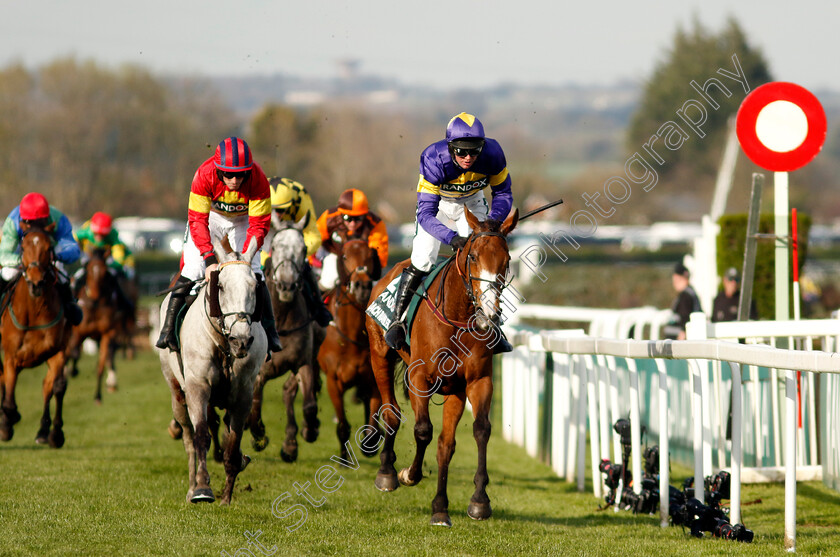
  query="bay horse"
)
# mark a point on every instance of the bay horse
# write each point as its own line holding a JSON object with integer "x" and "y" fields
{"x": 35, "y": 330}
{"x": 222, "y": 348}
{"x": 301, "y": 337}
{"x": 345, "y": 354}
{"x": 450, "y": 353}
{"x": 103, "y": 320}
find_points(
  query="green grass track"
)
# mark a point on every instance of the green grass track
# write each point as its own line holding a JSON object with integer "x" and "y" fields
{"x": 118, "y": 488}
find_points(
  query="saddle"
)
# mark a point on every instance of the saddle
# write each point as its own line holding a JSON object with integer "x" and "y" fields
{"x": 382, "y": 308}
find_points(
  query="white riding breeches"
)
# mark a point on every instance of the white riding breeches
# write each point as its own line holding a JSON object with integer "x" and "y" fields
{"x": 329, "y": 272}
{"x": 235, "y": 229}
{"x": 425, "y": 248}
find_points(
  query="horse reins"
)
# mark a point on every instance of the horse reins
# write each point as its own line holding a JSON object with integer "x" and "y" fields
{"x": 437, "y": 307}
{"x": 343, "y": 294}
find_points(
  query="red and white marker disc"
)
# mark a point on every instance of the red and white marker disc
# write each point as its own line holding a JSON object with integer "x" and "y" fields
{"x": 781, "y": 126}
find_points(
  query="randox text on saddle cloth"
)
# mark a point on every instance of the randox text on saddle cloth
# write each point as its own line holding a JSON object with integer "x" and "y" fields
{"x": 639, "y": 168}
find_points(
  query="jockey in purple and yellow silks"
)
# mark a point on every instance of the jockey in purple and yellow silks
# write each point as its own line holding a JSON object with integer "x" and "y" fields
{"x": 454, "y": 173}
{"x": 229, "y": 197}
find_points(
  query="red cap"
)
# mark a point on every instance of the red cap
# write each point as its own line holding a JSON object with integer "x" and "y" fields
{"x": 34, "y": 206}
{"x": 100, "y": 223}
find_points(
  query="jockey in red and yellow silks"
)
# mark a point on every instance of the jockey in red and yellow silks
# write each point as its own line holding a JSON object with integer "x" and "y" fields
{"x": 229, "y": 198}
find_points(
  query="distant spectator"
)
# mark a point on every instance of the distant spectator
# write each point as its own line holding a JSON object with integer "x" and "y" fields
{"x": 725, "y": 307}
{"x": 684, "y": 304}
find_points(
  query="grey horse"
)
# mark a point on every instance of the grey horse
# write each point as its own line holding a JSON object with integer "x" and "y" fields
{"x": 301, "y": 337}
{"x": 222, "y": 348}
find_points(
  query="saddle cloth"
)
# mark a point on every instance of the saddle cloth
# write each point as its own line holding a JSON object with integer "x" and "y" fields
{"x": 382, "y": 308}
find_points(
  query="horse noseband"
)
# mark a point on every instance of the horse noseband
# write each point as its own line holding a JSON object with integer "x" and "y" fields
{"x": 240, "y": 316}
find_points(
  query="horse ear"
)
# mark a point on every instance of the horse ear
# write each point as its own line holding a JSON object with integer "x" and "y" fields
{"x": 219, "y": 249}
{"x": 303, "y": 222}
{"x": 275, "y": 220}
{"x": 510, "y": 223}
{"x": 472, "y": 220}
{"x": 251, "y": 251}
{"x": 50, "y": 228}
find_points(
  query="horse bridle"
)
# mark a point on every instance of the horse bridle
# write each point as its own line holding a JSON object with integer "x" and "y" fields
{"x": 298, "y": 270}
{"x": 50, "y": 273}
{"x": 467, "y": 277}
{"x": 240, "y": 316}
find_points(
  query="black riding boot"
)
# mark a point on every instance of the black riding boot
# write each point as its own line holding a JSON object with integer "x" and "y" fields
{"x": 320, "y": 312}
{"x": 71, "y": 308}
{"x": 503, "y": 345}
{"x": 409, "y": 281}
{"x": 176, "y": 302}
{"x": 267, "y": 316}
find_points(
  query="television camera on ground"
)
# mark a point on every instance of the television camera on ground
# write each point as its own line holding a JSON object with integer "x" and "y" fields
{"x": 683, "y": 508}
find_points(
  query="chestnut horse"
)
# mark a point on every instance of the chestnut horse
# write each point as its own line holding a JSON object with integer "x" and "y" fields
{"x": 301, "y": 337}
{"x": 451, "y": 353}
{"x": 102, "y": 320}
{"x": 35, "y": 330}
{"x": 345, "y": 354}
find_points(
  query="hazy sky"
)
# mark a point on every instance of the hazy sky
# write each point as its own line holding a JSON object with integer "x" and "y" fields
{"x": 439, "y": 43}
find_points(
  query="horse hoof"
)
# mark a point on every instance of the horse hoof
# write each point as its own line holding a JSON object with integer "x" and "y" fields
{"x": 56, "y": 439}
{"x": 203, "y": 495}
{"x": 41, "y": 439}
{"x": 259, "y": 444}
{"x": 6, "y": 433}
{"x": 479, "y": 511}
{"x": 111, "y": 382}
{"x": 441, "y": 519}
{"x": 405, "y": 478}
{"x": 175, "y": 430}
{"x": 289, "y": 456}
{"x": 310, "y": 435}
{"x": 386, "y": 482}
{"x": 12, "y": 416}
{"x": 97, "y": 401}
{"x": 245, "y": 461}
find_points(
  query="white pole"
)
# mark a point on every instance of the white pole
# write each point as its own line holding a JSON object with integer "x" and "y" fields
{"x": 737, "y": 449}
{"x": 781, "y": 232}
{"x": 576, "y": 417}
{"x": 719, "y": 414}
{"x": 560, "y": 405}
{"x": 777, "y": 421}
{"x": 635, "y": 427}
{"x": 790, "y": 460}
{"x": 508, "y": 383}
{"x": 594, "y": 444}
{"x": 697, "y": 421}
{"x": 603, "y": 373}
{"x": 759, "y": 441}
{"x": 581, "y": 430}
{"x": 663, "y": 443}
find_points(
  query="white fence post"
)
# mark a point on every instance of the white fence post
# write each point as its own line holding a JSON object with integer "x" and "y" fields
{"x": 737, "y": 451}
{"x": 790, "y": 460}
{"x": 664, "y": 472}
